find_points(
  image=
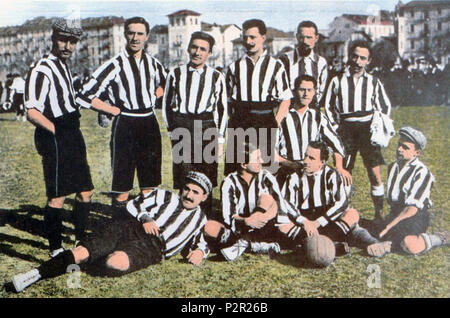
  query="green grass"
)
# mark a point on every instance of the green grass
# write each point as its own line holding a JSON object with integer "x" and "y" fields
{"x": 22, "y": 246}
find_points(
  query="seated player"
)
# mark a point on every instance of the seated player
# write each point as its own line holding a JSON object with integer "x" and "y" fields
{"x": 251, "y": 207}
{"x": 409, "y": 186}
{"x": 165, "y": 225}
{"x": 319, "y": 196}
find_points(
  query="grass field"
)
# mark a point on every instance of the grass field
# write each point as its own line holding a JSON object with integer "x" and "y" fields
{"x": 22, "y": 246}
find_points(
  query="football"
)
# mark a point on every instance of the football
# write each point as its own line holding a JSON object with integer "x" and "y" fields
{"x": 319, "y": 251}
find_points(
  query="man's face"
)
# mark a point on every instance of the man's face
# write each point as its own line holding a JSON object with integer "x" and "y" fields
{"x": 198, "y": 52}
{"x": 64, "y": 46}
{"x": 305, "y": 93}
{"x": 359, "y": 59}
{"x": 406, "y": 150}
{"x": 307, "y": 39}
{"x": 192, "y": 195}
{"x": 312, "y": 161}
{"x": 253, "y": 40}
{"x": 136, "y": 36}
{"x": 254, "y": 165}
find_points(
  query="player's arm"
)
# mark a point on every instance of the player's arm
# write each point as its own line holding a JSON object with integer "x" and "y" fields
{"x": 282, "y": 110}
{"x": 407, "y": 212}
{"x": 101, "y": 106}
{"x": 199, "y": 250}
{"x": 39, "y": 120}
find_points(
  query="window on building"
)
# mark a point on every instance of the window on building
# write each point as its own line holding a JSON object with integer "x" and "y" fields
{"x": 412, "y": 44}
{"x": 347, "y": 25}
{"x": 412, "y": 28}
{"x": 439, "y": 26}
{"x": 196, "y": 21}
{"x": 425, "y": 28}
{"x": 439, "y": 11}
{"x": 184, "y": 21}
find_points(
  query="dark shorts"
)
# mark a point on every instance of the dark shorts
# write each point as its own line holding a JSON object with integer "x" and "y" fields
{"x": 135, "y": 145}
{"x": 415, "y": 225}
{"x": 193, "y": 159}
{"x": 17, "y": 104}
{"x": 127, "y": 236}
{"x": 64, "y": 162}
{"x": 356, "y": 137}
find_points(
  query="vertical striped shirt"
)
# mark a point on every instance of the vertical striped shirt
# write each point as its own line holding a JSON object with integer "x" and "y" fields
{"x": 313, "y": 65}
{"x": 194, "y": 92}
{"x": 351, "y": 100}
{"x": 49, "y": 88}
{"x": 409, "y": 185}
{"x": 322, "y": 193}
{"x": 179, "y": 227}
{"x": 296, "y": 131}
{"x": 263, "y": 81}
{"x": 240, "y": 198}
{"x": 130, "y": 84}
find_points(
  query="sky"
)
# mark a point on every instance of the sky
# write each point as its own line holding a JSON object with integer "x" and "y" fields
{"x": 280, "y": 14}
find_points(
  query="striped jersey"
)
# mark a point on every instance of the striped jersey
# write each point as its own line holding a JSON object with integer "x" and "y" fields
{"x": 240, "y": 198}
{"x": 313, "y": 65}
{"x": 180, "y": 228}
{"x": 129, "y": 84}
{"x": 194, "y": 92}
{"x": 409, "y": 185}
{"x": 355, "y": 100}
{"x": 263, "y": 81}
{"x": 296, "y": 131}
{"x": 49, "y": 88}
{"x": 321, "y": 195}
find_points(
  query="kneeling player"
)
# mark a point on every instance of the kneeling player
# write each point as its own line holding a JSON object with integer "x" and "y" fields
{"x": 251, "y": 206}
{"x": 319, "y": 196}
{"x": 409, "y": 186}
{"x": 165, "y": 226}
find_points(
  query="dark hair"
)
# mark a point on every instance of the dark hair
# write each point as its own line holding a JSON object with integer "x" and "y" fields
{"x": 307, "y": 24}
{"x": 202, "y": 36}
{"x": 306, "y": 78}
{"x": 252, "y": 23}
{"x": 137, "y": 20}
{"x": 322, "y": 147}
{"x": 362, "y": 44}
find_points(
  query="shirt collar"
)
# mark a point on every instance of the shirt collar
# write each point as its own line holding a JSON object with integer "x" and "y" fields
{"x": 127, "y": 55}
{"x": 317, "y": 173}
{"x": 263, "y": 55}
{"x": 348, "y": 74}
{"x": 193, "y": 69}
{"x": 298, "y": 57}
{"x": 412, "y": 162}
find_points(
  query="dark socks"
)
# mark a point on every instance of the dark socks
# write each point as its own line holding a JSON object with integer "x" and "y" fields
{"x": 57, "y": 265}
{"x": 378, "y": 203}
{"x": 53, "y": 226}
{"x": 81, "y": 212}
{"x": 361, "y": 238}
{"x": 119, "y": 210}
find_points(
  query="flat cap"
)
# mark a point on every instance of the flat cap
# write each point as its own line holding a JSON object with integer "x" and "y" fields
{"x": 415, "y": 135}
{"x": 67, "y": 27}
{"x": 201, "y": 179}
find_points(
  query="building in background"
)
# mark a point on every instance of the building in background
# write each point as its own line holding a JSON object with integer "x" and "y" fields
{"x": 423, "y": 31}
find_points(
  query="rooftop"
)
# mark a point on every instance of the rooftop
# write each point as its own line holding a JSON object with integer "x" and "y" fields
{"x": 183, "y": 13}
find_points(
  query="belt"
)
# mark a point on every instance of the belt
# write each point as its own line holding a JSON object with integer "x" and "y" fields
{"x": 136, "y": 114}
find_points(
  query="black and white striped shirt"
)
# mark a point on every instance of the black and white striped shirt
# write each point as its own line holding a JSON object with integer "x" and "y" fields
{"x": 313, "y": 65}
{"x": 409, "y": 186}
{"x": 239, "y": 198}
{"x": 49, "y": 88}
{"x": 179, "y": 227}
{"x": 263, "y": 81}
{"x": 322, "y": 193}
{"x": 296, "y": 131}
{"x": 194, "y": 92}
{"x": 130, "y": 84}
{"x": 351, "y": 100}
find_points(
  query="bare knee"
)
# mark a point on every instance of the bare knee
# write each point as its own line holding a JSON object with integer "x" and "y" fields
{"x": 285, "y": 228}
{"x": 118, "y": 260}
{"x": 56, "y": 203}
{"x": 212, "y": 228}
{"x": 413, "y": 244}
{"x": 85, "y": 196}
{"x": 80, "y": 254}
{"x": 350, "y": 216}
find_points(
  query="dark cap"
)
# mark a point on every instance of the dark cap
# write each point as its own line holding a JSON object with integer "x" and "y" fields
{"x": 67, "y": 28}
{"x": 415, "y": 135}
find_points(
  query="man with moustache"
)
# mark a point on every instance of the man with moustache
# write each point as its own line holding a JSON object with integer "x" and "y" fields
{"x": 163, "y": 226}
{"x": 195, "y": 96}
{"x": 256, "y": 84}
{"x": 133, "y": 81}
{"x": 351, "y": 99}
{"x": 50, "y": 101}
{"x": 304, "y": 60}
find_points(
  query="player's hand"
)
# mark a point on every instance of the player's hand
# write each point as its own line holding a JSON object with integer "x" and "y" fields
{"x": 346, "y": 176}
{"x": 115, "y": 111}
{"x": 195, "y": 257}
{"x": 256, "y": 220}
{"x": 311, "y": 227}
{"x": 220, "y": 150}
{"x": 151, "y": 228}
{"x": 159, "y": 92}
{"x": 383, "y": 233}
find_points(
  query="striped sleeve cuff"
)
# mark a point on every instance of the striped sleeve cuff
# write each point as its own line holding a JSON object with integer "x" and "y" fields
{"x": 84, "y": 101}
{"x": 221, "y": 140}
{"x": 300, "y": 219}
{"x": 322, "y": 221}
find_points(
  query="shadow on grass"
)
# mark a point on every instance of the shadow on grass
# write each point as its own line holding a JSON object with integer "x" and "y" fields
{"x": 8, "y": 250}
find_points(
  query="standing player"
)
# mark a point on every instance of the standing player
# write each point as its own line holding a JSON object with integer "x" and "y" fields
{"x": 165, "y": 225}
{"x": 195, "y": 95}
{"x": 16, "y": 97}
{"x": 409, "y": 186}
{"x": 351, "y": 100}
{"x": 319, "y": 196}
{"x": 50, "y": 101}
{"x": 302, "y": 125}
{"x": 256, "y": 84}
{"x": 133, "y": 81}
{"x": 304, "y": 60}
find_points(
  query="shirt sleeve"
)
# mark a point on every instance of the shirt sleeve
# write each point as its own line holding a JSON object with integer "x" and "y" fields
{"x": 331, "y": 101}
{"x": 339, "y": 199}
{"x": 420, "y": 189}
{"x": 221, "y": 107}
{"x": 322, "y": 80}
{"x": 280, "y": 146}
{"x": 282, "y": 84}
{"x": 330, "y": 136}
{"x": 199, "y": 243}
{"x": 168, "y": 99}
{"x": 36, "y": 90}
{"x": 229, "y": 203}
{"x": 381, "y": 99}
